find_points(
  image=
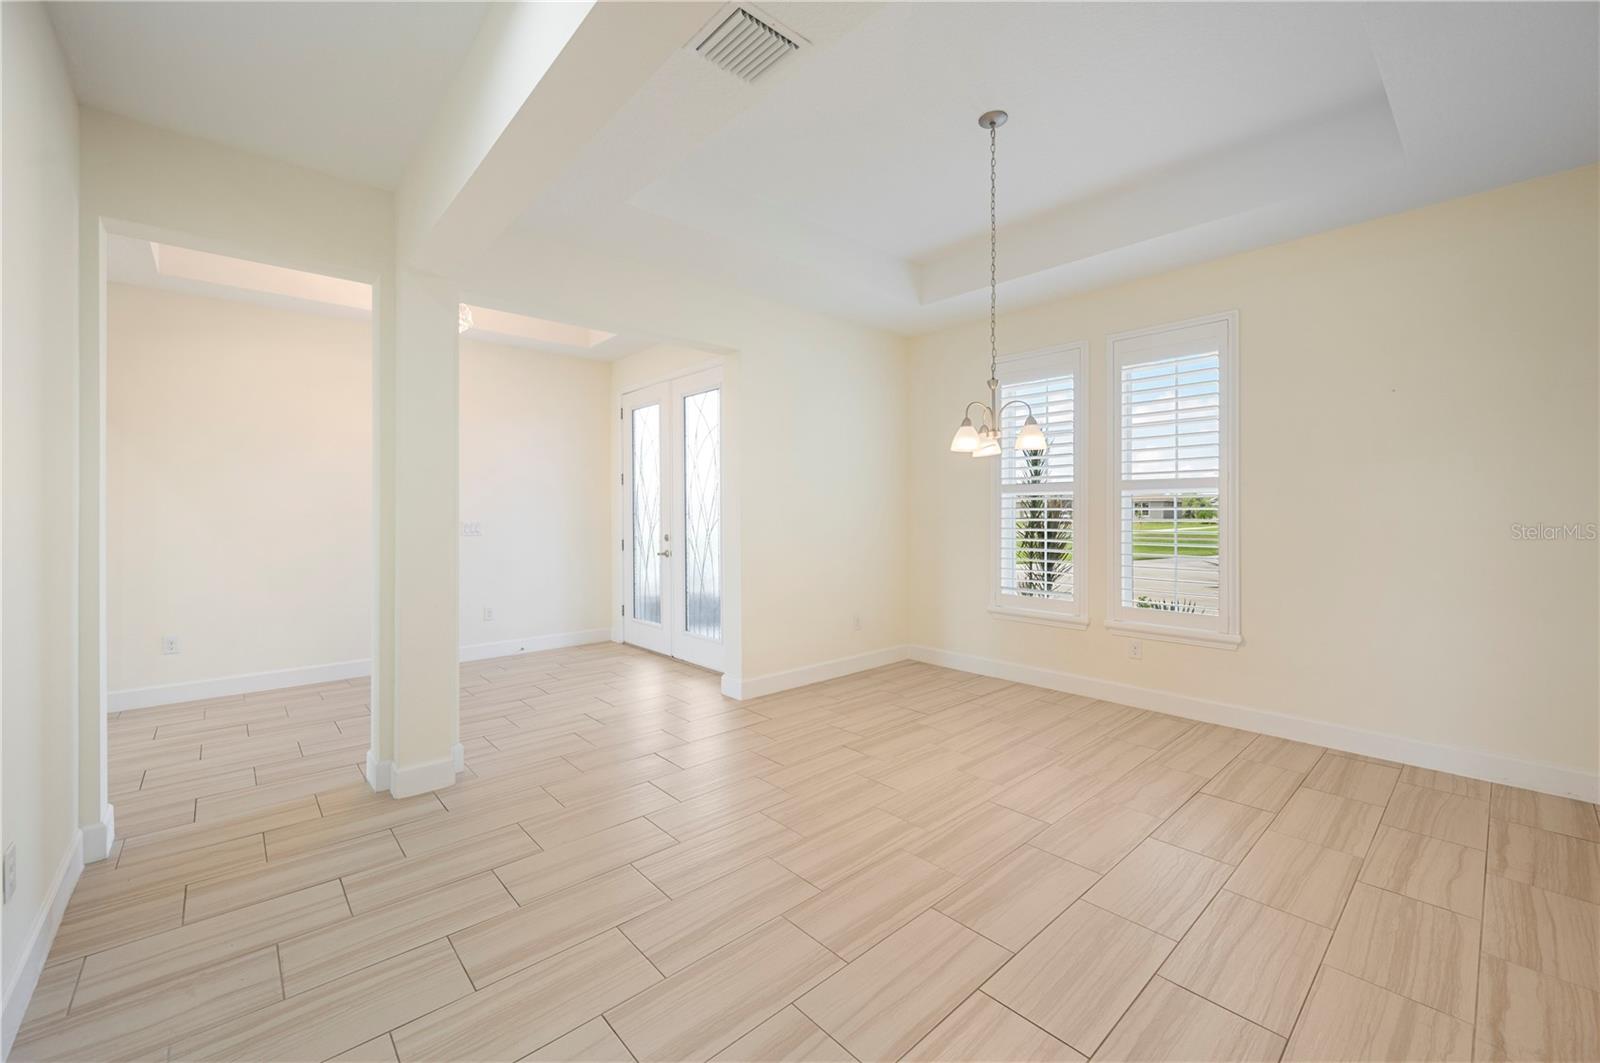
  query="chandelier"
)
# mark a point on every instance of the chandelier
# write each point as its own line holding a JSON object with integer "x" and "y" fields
{"x": 982, "y": 440}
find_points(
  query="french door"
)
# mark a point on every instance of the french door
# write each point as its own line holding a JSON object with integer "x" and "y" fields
{"x": 672, "y": 495}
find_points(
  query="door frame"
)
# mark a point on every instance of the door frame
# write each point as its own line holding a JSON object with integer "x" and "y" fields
{"x": 716, "y": 655}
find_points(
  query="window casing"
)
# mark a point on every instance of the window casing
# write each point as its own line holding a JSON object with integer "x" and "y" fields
{"x": 1172, "y": 512}
{"x": 1038, "y": 541}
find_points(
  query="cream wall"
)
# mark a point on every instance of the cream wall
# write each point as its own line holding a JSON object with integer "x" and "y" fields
{"x": 239, "y": 469}
{"x": 39, "y": 338}
{"x": 142, "y": 181}
{"x": 534, "y": 475}
{"x": 1409, "y": 388}
{"x": 820, "y": 463}
{"x": 825, "y": 502}
{"x": 239, "y": 462}
{"x": 813, "y": 505}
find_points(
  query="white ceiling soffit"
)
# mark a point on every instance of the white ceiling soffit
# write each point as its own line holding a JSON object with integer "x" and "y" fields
{"x": 853, "y": 179}
{"x": 193, "y": 272}
{"x": 183, "y": 269}
{"x": 541, "y": 334}
{"x": 344, "y": 88}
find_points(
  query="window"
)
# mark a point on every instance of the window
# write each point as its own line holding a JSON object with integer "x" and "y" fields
{"x": 1174, "y": 573}
{"x": 1038, "y": 538}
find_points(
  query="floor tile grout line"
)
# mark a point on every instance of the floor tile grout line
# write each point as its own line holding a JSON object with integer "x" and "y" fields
{"x": 1483, "y": 914}
{"x": 77, "y": 980}
{"x": 1322, "y": 959}
{"x": 1000, "y": 1003}
{"x": 614, "y": 1033}
{"x": 1201, "y": 996}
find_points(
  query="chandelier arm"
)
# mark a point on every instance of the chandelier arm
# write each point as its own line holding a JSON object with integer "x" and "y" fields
{"x": 988, "y": 411}
{"x": 1017, "y": 402}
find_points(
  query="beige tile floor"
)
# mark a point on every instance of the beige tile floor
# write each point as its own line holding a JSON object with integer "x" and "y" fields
{"x": 908, "y": 863}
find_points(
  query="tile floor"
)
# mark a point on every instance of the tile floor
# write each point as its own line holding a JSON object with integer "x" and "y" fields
{"x": 909, "y": 863}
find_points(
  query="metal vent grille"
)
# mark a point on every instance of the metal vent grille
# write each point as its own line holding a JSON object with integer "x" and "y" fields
{"x": 745, "y": 46}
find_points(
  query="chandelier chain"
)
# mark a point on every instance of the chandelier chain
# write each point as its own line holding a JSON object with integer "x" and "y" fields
{"x": 993, "y": 350}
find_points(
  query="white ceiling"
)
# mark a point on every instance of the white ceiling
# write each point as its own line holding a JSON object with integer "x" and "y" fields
{"x": 345, "y": 88}
{"x": 853, "y": 179}
{"x": 875, "y": 141}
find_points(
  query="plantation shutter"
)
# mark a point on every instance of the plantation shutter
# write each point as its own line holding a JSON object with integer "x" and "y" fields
{"x": 1171, "y": 498}
{"x": 1037, "y": 491}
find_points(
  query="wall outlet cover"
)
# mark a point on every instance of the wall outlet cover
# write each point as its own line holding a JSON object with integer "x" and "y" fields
{"x": 11, "y": 870}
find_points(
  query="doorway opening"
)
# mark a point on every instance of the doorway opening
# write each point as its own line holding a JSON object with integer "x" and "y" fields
{"x": 673, "y": 501}
{"x": 238, "y": 533}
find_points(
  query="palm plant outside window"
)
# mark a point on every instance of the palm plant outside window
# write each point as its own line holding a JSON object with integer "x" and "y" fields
{"x": 1037, "y": 527}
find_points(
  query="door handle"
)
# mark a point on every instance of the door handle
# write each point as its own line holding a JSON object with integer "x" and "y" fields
{"x": 663, "y": 553}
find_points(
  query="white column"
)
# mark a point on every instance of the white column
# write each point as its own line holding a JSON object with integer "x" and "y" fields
{"x": 95, "y": 814}
{"x": 416, "y": 678}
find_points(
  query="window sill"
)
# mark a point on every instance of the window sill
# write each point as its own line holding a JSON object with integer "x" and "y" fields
{"x": 1163, "y": 633}
{"x": 1032, "y": 616}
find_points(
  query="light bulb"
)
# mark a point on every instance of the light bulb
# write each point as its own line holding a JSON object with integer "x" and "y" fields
{"x": 1031, "y": 439}
{"x": 965, "y": 440}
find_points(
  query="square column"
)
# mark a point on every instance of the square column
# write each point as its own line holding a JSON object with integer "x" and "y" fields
{"x": 416, "y": 676}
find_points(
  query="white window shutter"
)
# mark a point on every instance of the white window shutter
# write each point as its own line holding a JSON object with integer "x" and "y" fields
{"x": 1038, "y": 525}
{"x": 1172, "y": 480}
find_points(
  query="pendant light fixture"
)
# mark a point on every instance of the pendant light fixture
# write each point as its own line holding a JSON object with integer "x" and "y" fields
{"x": 982, "y": 440}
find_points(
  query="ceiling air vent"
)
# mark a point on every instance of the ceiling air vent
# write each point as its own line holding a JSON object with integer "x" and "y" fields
{"x": 745, "y": 46}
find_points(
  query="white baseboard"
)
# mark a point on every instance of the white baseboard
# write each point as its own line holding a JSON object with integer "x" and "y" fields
{"x": 1494, "y": 767}
{"x": 98, "y": 837}
{"x": 378, "y": 772}
{"x": 228, "y": 686}
{"x": 414, "y": 779}
{"x": 419, "y": 778}
{"x": 36, "y": 947}
{"x": 484, "y": 650}
{"x": 761, "y": 685}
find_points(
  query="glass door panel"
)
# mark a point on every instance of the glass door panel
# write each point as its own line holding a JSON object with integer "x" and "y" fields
{"x": 702, "y": 514}
{"x": 647, "y": 514}
{"x": 697, "y": 576}
{"x": 648, "y": 543}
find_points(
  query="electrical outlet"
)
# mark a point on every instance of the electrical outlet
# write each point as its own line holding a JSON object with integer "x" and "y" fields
{"x": 858, "y": 621}
{"x": 488, "y": 612}
{"x": 1136, "y": 649}
{"x": 11, "y": 870}
{"x": 169, "y": 644}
